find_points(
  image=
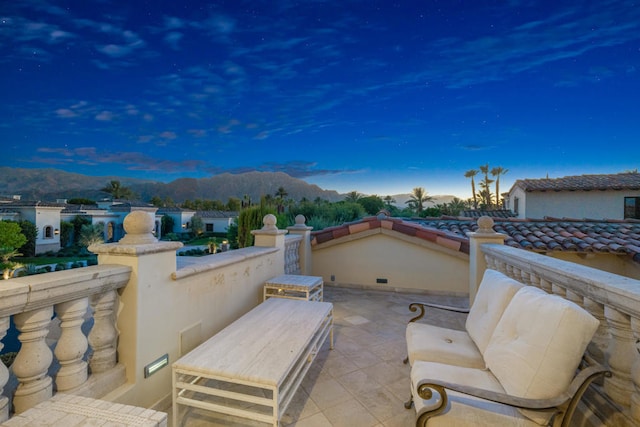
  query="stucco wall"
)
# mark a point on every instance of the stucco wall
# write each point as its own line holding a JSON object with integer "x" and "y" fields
{"x": 173, "y": 313}
{"x": 407, "y": 264}
{"x": 575, "y": 204}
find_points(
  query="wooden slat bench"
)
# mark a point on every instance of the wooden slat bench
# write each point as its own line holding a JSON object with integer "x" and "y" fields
{"x": 253, "y": 367}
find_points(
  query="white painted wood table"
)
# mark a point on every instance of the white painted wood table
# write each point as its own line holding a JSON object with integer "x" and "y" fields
{"x": 294, "y": 286}
{"x": 253, "y": 367}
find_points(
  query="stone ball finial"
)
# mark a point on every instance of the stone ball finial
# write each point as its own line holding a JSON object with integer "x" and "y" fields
{"x": 300, "y": 220}
{"x": 383, "y": 213}
{"x": 139, "y": 227}
{"x": 269, "y": 222}
{"x": 485, "y": 225}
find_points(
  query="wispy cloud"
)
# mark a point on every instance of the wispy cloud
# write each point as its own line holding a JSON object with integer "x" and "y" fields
{"x": 130, "y": 160}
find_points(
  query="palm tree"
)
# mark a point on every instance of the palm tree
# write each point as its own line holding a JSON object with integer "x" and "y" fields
{"x": 471, "y": 173}
{"x": 497, "y": 171}
{"x": 118, "y": 191}
{"x": 456, "y": 206}
{"x": 280, "y": 195}
{"x": 485, "y": 184}
{"x": 388, "y": 201}
{"x": 418, "y": 198}
{"x": 353, "y": 197}
{"x": 246, "y": 201}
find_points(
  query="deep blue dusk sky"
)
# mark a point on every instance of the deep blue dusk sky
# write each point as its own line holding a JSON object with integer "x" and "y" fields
{"x": 374, "y": 96}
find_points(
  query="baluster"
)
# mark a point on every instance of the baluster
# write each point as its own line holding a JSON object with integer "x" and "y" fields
{"x": 558, "y": 290}
{"x": 4, "y": 372}
{"x": 508, "y": 270}
{"x": 72, "y": 344}
{"x": 535, "y": 280}
{"x": 574, "y": 297}
{"x": 33, "y": 359}
{"x": 103, "y": 335}
{"x": 620, "y": 351}
{"x": 635, "y": 371}
{"x": 545, "y": 285}
{"x": 598, "y": 346}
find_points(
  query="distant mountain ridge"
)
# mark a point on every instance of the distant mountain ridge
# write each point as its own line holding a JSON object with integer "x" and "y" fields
{"x": 52, "y": 184}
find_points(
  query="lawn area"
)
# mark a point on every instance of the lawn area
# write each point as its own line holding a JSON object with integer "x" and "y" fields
{"x": 49, "y": 260}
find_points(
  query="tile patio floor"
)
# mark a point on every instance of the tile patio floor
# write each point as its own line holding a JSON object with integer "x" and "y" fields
{"x": 362, "y": 382}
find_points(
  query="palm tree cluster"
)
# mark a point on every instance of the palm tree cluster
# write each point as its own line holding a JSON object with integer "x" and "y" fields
{"x": 417, "y": 200}
{"x": 485, "y": 199}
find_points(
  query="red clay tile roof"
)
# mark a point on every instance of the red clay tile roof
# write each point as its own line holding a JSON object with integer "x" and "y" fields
{"x": 545, "y": 235}
{"x": 495, "y": 213}
{"x": 620, "y": 181}
{"x": 556, "y": 234}
{"x": 413, "y": 229}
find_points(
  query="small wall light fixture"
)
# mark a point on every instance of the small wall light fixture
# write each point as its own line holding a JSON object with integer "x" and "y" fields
{"x": 56, "y": 231}
{"x": 156, "y": 365}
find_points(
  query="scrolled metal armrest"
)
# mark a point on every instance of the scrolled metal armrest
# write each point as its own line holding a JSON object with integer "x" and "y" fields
{"x": 569, "y": 397}
{"x": 415, "y": 306}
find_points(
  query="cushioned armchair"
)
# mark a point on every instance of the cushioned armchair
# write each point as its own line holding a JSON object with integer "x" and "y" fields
{"x": 464, "y": 348}
{"x": 530, "y": 375}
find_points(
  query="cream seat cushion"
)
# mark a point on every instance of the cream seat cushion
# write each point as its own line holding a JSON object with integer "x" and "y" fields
{"x": 538, "y": 344}
{"x": 464, "y": 348}
{"x": 463, "y": 410}
{"x": 435, "y": 344}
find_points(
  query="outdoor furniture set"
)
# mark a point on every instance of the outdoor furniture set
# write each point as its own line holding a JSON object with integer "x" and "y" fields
{"x": 253, "y": 367}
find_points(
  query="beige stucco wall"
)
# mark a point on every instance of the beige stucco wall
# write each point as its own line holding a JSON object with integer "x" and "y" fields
{"x": 572, "y": 204}
{"x": 407, "y": 263}
{"x": 169, "y": 313}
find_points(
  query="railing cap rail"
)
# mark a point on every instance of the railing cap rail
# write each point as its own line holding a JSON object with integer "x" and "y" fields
{"x": 42, "y": 290}
{"x": 614, "y": 290}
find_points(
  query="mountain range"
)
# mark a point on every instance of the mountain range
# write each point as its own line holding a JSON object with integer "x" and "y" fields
{"x": 53, "y": 184}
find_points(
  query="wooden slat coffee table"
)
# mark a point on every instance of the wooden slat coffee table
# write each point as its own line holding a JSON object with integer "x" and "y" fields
{"x": 294, "y": 286}
{"x": 253, "y": 367}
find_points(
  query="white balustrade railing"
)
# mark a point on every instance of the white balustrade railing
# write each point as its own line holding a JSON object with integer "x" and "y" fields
{"x": 33, "y": 301}
{"x": 292, "y": 254}
{"x": 612, "y": 299}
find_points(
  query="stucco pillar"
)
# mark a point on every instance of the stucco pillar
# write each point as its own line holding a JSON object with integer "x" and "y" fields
{"x": 477, "y": 263}
{"x": 142, "y": 307}
{"x": 269, "y": 236}
{"x": 305, "y": 246}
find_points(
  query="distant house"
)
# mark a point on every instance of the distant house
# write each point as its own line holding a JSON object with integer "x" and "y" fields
{"x": 214, "y": 221}
{"x": 181, "y": 218}
{"x": 613, "y": 196}
{"x": 45, "y": 216}
{"x": 110, "y": 214}
{"x": 217, "y": 221}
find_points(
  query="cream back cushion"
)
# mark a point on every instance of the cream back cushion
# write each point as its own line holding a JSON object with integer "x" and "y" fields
{"x": 494, "y": 294}
{"x": 538, "y": 344}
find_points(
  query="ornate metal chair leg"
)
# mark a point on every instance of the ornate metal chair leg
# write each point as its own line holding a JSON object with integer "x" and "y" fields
{"x": 409, "y": 403}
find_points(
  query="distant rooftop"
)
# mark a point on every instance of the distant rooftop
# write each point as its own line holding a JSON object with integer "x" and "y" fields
{"x": 556, "y": 234}
{"x": 619, "y": 181}
{"x": 538, "y": 235}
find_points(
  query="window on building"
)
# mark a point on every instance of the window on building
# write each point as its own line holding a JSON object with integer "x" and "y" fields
{"x": 516, "y": 203}
{"x": 209, "y": 228}
{"x": 632, "y": 207}
{"x": 48, "y": 232}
